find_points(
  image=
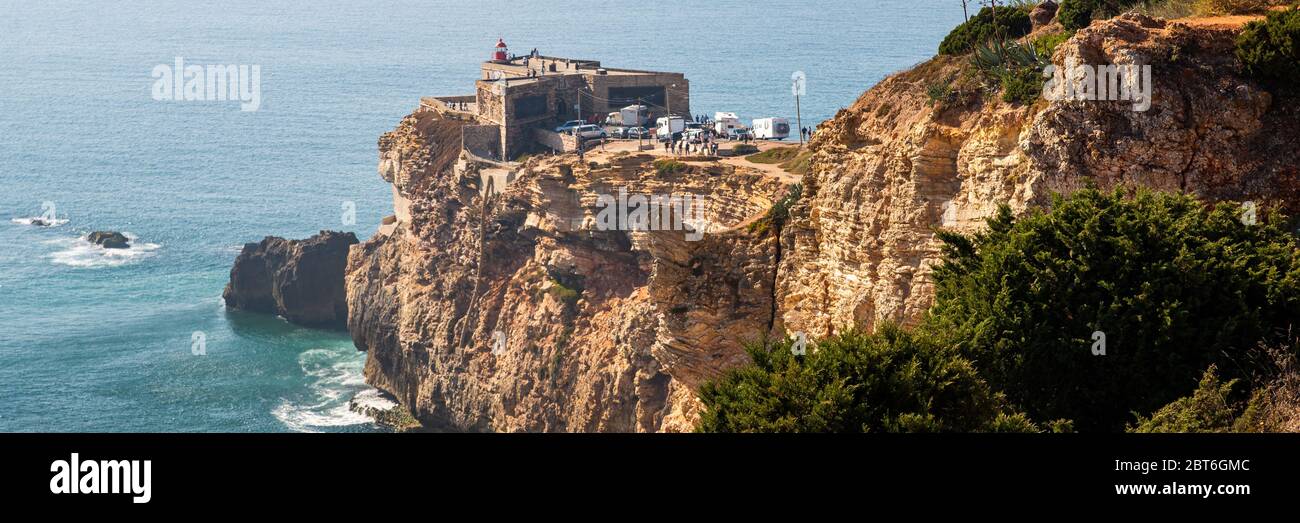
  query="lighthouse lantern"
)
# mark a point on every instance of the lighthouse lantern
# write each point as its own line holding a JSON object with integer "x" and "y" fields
{"x": 499, "y": 53}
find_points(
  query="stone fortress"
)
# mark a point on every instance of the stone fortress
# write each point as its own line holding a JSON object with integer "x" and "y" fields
{"x": 519, "y": 100}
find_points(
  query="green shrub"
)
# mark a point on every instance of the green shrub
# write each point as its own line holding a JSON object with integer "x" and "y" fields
{"x": 781, "y": 210}
{"x": 567, "y": 295}
{"x": 1173, "y": 285}
{"x": 1208, "y": 409}
{"x": 743, "y": 149}
{"x": 1046, "y": 45}
{"x": 666, "y": 166}
{"x": 1010, "y": 22}
{"x": 1076, "y": 14}
{"x": 1022, "y": 86}
{"x": 1269, "y": 49}
{"x": 939, "y": 92}
{"x": 890, "y": 381}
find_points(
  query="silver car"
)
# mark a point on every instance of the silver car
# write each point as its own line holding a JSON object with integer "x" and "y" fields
{"x": 589, "y": 132}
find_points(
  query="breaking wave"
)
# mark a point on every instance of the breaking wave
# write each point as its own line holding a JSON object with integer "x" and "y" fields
{"x": 33, "y": 220}
{"x": 335, "y": 381}
{"x": 77, "y": 252}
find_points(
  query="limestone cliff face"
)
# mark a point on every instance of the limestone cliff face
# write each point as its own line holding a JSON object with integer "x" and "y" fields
{"x": 509, "y": 312}
{"x": 512, "y": 312}
{"x": 893, "y": 167}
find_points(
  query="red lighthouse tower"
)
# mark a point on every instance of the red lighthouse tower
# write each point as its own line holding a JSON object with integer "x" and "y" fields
{"x": 499, "y": 53}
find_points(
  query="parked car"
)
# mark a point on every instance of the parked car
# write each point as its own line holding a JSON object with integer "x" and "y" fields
{"x": 589, "y": 132}
{"x": 617, "y": 131}
{"x": 740, "y": 134}
{"x": 569, "y": 126}
{"x": 638, "y": 133}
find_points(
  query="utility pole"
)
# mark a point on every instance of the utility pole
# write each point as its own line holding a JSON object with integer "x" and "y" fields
{"x": 798, "y": 81}
{"x": 668, "y": 103}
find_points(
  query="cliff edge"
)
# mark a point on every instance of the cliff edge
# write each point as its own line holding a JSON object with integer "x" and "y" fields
{"x": 501, "y": 309}
{"x": 896, "y": 165}
{"x": 504, "y": 308}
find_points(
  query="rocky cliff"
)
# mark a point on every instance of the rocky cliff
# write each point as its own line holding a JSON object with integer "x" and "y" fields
{"x": 512, "y": 311}
{"x": 301, "y": 280}
{"x": 895, "y": 166}
{"x": 508, "y": 312}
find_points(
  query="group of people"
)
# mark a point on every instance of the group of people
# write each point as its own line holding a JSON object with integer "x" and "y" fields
{"x": 678, "y": 146}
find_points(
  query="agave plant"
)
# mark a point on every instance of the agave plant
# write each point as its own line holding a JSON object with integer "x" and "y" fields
{"x": 999, "y": 57}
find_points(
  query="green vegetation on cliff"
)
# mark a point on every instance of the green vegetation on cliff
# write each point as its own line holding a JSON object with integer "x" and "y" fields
{"x": 1169, "y": 286}
{"x": 1270, "y": 49}
{"x": 889, "y": 381}
{"x": 987, "y": 24}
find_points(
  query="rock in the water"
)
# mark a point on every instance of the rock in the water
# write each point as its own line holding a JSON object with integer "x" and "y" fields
{"x": 1043, "y": 14}
{"x": 301, "y": 280}
{"x": 109, "y": 239}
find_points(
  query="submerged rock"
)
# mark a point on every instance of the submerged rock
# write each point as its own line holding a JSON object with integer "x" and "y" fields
{"x": 301, "y": 280}
{"x": 105, "y": 239}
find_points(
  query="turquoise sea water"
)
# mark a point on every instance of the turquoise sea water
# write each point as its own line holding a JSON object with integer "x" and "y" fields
{"x": 97, "y": 342}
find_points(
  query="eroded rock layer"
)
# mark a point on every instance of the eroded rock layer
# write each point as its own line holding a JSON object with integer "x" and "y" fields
{"x": 895, "y": 166}
{"x": 509, "y": 312}
{"x": 513, "y": 312}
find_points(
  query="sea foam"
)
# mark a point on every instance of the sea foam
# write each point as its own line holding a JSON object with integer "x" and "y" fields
{"x": 31, "y": 220}
{"x": 336, "y": 380}
{"x": 78, "y": 252}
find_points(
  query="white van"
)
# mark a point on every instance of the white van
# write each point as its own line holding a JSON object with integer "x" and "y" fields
{"x": 771, "y": 128}
{"x": 725, "y": 123}
{"x": 668, "y": 126}
{"x": 630, "y": 116}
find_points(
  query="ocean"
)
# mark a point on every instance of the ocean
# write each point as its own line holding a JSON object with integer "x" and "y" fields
{"x": 106, "y": 341}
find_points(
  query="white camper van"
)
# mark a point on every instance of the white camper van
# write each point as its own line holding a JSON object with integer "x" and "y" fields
{"x": 630, "y": 116}
{"x": 725, "y": 123}
{"x": 771, "y": 128}
{"x": 668, "y": 126}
